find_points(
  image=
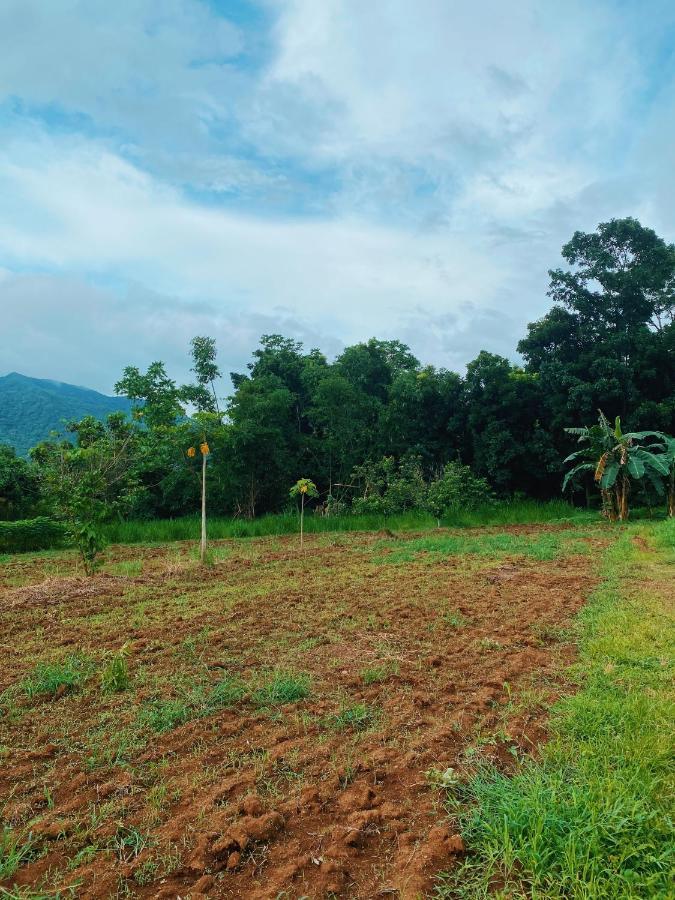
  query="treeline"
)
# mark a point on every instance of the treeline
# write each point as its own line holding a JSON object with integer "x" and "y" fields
{"x": 376, "y": 417}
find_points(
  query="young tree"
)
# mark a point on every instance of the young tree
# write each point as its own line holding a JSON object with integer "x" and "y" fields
{"x": 457, "y": 488}
{"x": 91, "y": 481}
{"x": 617, "y": 459}
{"x": 203, "y": 393}
{"x": 303, "y": 488}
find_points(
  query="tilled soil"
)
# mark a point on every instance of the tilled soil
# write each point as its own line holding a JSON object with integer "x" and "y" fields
{"x": 441, "y": 662}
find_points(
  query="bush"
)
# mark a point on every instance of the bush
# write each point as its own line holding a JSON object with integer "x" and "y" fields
{"x": 41, "y": 533}
{"x": 457, "y": 488}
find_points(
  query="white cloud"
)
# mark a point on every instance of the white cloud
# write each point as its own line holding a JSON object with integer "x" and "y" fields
{"x": 445, "y": 151}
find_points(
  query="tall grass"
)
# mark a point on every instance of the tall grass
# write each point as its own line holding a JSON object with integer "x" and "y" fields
{"x": 520, "y": 512}
{"x": 592, "y": 818}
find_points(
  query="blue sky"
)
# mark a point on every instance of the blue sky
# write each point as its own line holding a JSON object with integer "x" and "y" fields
{"x": 328, "y": 169}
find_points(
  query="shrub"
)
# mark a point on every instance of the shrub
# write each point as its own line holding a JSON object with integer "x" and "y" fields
{"x": 25, "y": 535}
{"x": 457, "y": 488}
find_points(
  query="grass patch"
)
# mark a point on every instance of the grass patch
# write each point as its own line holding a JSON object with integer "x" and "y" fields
{"x": 282, "y": 688}
{"x": 228, "y": 691}
{"x": 375, "y": 674}
{"x": 58, "y": 677}
{"x": 590, "y": 819}
{"x": 357, "y": 718}
{"x": 165, "y": 715}
{"x": 186, "y": 528}
{"x": 115, "y": 675}
{"x": 14, "y": 852}
{"x": 541, "y": 547}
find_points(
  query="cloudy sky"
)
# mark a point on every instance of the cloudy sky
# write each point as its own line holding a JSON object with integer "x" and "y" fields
{"x": 327, "y": 169}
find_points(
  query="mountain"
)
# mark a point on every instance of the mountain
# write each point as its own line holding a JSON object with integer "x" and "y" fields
{"x": 30, "y": 408}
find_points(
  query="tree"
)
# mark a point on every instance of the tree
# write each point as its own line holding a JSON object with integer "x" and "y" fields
{"x": 19, "y": 485}
{"x": 617, "y": 459}
{"x": 156, "y": 398}
{"x": 91, "y": 481}
{"x": 203, "y": 393}
{"x": 303, "y": 488}
{"x": 610, "y": 339}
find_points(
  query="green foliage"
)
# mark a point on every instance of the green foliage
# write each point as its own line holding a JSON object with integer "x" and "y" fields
{"x": 457, "y": 488}
{"x": 304, "y": 488}
{"x": 617, "y": 459}
{"x": 386, "y": 487}
{"x": 115, "y": 675}
{"x": 88, "y": 483}
{"x": 19, "y": 485}
{"x": 41, "y": 533}
{"x": 57, "y": 677}
{"x": 590, "y": 818}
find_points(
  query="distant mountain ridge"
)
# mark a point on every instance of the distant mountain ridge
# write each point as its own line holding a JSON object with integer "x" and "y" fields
{"x": 31, "y": 408}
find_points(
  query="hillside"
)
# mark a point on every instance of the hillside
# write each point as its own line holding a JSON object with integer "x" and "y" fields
{"x": 30, "y": 408}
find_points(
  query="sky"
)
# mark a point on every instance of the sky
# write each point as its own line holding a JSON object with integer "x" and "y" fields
{"x": 330, "y": 170}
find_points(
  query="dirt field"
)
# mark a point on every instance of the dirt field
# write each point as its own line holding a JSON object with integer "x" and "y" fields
{"x": 289, "y": 718}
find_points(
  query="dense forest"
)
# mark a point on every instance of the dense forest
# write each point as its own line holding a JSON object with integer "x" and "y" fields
{"x": 371, "y": 424}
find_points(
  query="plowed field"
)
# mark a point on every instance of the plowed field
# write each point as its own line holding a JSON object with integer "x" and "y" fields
{"x": 289, "y": 723}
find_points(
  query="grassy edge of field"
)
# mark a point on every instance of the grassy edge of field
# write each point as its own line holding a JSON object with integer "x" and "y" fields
{"x": 591, "y": 818}
{"x": 516, "y": 512}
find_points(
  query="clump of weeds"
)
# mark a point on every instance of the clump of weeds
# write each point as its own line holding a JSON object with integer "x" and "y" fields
{"x": 115, "y": 675}
{"x": 58, "y": 678}
{"x": 282, "y": 688}
{"x": 358, "y": 717}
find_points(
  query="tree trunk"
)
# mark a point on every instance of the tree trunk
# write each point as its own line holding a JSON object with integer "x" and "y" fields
{"x": 623, "y": 487}
{"x": 671, "y": 494}
{"x": 202, "y": 545}
{"x": 302, "y": 519}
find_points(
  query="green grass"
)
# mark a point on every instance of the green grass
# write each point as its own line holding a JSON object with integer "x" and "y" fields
{"x": 63, "y": 676}
{"x": 542, "y": 547}
{"x": 357, "y": 717}
{"x": 591, "y": 819}
{"x": 115, "y": 675}
{"x": 228, "y": 691}
{"x": 14, "y": 852}
{"x": 520, "y": 512}
{"x": 382, "y": 672}
{"x": 283, "y": 687}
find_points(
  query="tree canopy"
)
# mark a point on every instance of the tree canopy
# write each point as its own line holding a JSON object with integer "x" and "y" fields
{"x": 378, "y": 416}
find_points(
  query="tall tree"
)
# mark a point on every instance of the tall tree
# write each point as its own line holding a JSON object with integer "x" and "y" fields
{"x": 609, "y": 342}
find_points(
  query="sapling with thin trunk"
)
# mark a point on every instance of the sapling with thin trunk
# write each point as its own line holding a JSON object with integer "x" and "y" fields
{"x": 303, "y": 488}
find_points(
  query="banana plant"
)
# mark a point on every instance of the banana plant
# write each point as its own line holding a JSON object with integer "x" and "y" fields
{"x": 616, "y": 460}
{"x": 670, "y": 459}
